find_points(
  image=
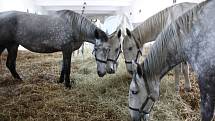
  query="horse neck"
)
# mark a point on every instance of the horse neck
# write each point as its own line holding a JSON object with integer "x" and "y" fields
{"x": 152, "y": 27}
{"x": 149, "y": 30}
{"x": 87, "y": 31}
{"x": 165, "y": 53}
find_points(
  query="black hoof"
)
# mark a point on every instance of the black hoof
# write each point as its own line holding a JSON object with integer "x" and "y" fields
{"x": 60, "y": 81}
{"x": 18, "y": 79}
{"x": 68, "y": 86}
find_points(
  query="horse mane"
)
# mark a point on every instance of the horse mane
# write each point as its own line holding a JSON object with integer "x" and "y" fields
{"x": 77, "y": 20}
{"x": 145, "y": 31}
{"x": 170, "y": 39}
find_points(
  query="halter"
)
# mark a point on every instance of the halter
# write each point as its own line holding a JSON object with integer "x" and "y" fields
{"x": 149, "y": 97}
{"x": 139, "y": 52}
{"x": 97, "y": 59}
{"x": 115, "y": 60}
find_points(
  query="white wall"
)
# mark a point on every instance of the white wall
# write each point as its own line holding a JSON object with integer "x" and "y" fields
{"x": 21, "y": 5}
{"x": 148, "y": 8}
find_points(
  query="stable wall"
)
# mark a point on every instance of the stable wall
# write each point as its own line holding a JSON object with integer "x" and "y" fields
{"x": 20, "y": 5}
{"x": 140, "y": 10}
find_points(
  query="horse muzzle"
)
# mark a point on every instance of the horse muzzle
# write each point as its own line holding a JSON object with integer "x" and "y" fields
{"x": 110, "y": 71}
{"x": 101, "y": 74}
{"x": 138, "y": 117}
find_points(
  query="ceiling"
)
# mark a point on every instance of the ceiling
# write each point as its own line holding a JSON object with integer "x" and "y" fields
{"x": 92, "y": 7}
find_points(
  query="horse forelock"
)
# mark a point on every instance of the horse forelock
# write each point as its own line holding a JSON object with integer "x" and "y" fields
{"x": 170, "y": 40}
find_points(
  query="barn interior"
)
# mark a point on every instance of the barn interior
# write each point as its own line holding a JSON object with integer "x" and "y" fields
{"x": 38, "y": 97}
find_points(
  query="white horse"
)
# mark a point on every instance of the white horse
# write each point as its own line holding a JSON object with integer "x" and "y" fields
{"x": 148, "y": 32}
{"x": 188, "y": 38}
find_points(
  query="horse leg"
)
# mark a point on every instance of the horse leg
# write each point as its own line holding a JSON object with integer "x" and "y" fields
{"x": 177, "y": 71}
{"x": 185, "y": 70}
{"x": 65, "y": 73}
{"x": 207, "y": 93}
{"x": 62, "y": 77}
{"x": 1, "y": 50}
{"x": 11, "y": 60}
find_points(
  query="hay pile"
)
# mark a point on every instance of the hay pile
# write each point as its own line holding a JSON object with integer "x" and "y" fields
{"x": 40, "y": 98}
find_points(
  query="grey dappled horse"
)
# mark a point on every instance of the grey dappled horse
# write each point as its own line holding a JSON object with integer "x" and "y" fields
{"x": 148, "y": 32}
{"x": 63, "y": 31}
{"x": 190, "y": 38}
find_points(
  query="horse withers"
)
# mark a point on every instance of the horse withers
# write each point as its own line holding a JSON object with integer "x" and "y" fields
{"x": 62, "y": 30}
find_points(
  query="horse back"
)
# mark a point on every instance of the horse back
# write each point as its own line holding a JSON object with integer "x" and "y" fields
{"x": 8, "y": 24}
{"x": 41, "y": 33}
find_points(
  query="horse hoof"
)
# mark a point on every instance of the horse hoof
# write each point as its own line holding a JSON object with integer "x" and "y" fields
{"x": 18, "y": 80}
{"x": 60, "y": 81}
{"x": 68, "y": 86}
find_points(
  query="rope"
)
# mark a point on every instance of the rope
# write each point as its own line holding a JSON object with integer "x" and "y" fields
{"x": 82, "y": 13}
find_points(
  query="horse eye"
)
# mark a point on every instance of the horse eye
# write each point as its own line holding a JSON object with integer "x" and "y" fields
{"x": 130, "y": 48}
{"x": 117, "y": 49}
{"x": 134, "y": 92}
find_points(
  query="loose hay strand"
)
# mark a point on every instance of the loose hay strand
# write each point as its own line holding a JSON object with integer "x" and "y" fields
{"x": 40, "y": 98}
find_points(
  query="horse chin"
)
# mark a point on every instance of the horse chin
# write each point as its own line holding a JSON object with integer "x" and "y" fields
{"x": 101, "y": 73}
{"x": 111, "y": 68}
{"x": 135, "y": 116}
{"x": 109, "y": 71}
{"x": 145, "y": 117}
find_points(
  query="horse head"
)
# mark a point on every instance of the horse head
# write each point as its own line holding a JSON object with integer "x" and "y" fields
{"x": 131, "y": 50}
{"x": 115, "y": 51}
{"x": 101, "y": 51}
{"x": 141, "y": 96}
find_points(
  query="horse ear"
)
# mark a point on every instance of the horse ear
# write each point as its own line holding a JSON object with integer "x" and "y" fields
{"x": 96, "y": 32}
{"x": 119, "y": 33}
{"x": 128, "y": 32}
